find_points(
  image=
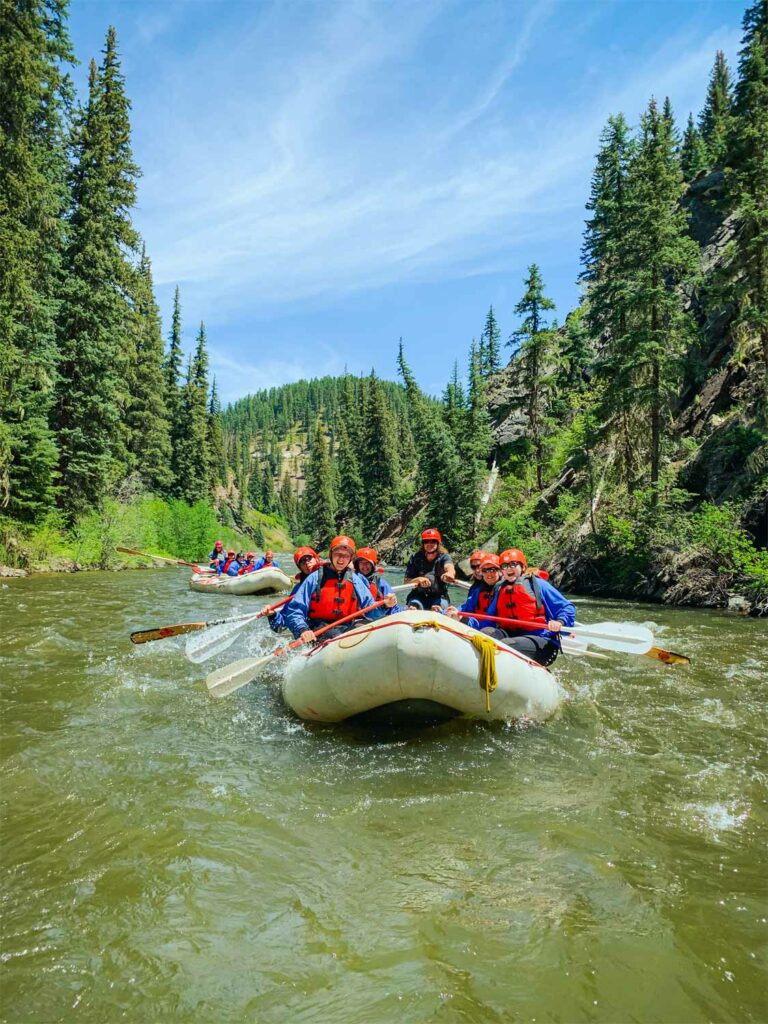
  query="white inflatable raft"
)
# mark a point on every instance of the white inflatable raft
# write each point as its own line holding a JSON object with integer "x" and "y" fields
{"x": 264, "y": 581}
{"x": 404, "y": 658}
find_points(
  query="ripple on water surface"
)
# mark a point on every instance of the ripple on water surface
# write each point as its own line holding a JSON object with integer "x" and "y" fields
{"x": 173, "y": 858}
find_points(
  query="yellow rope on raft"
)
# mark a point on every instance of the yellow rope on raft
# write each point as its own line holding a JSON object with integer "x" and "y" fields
{"x": 488, "y": 678}
{"x": 487, "y": 650}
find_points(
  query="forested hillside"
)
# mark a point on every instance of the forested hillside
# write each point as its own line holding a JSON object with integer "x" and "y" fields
{"x": 624, "y": 444}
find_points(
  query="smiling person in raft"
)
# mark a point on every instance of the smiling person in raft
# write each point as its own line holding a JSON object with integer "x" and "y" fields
{"x": 521, "y": 594}
{"x": 307, "y": 560}
{"x": 431, "y": 569}
{"x": 332, "y": 592}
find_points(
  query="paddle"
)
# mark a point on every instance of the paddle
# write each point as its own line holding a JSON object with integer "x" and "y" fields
{"x": 613, "y": 636}
{"x": 162, "y": 558}
{"x": 143, "y": 636}
{"x": 200, "y": 648}
{"x": 233, "y": 677}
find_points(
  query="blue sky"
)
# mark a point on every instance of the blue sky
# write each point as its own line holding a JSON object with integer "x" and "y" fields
{"x": 323, "y": 178}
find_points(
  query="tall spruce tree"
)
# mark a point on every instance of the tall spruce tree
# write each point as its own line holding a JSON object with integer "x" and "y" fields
{"x": 319, "y": 505}
{"x": 351, "y": 492}
{"x": 748, "y": 187}
{"x": 492, "y": 336}
{"x": 34, "y": 97}
{"x": 91, "y": 395}
{"x": 693, "y": 153}
{"x": 218, "y": 460}
{"x": 608, "y": 266}
{"x": 172, "y": 367}
{"x": 379, "y": 468}
{"x": 665, "y": 257}
{"x": 474, "y": 444}
{"x": 715, "y": 117}
{"x": 147, "y": 418}
{"x": 534, "y": 342}
{"x": 194, "y": 470}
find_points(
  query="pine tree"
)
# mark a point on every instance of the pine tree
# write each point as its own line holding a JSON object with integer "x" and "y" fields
{"x": 194, "y": 472}
{"x": 715, "y": 118}
{"x": 319, "y": 506}
{"x": 665, "y": 257}
{"x": 351, "y": 491}
{"x": 91, "y": 392}
{"x": 379, "y": 468}
{"x": 172, "y": 366}
{"x": 474, "y": 444}
{"x": 147, "y": 418}
{"x": 454, "y": 400}
{"x": 492, "y": 336}
{"x": 748, "y": 187}
{"x": 535, "y": 343}
{"x": 34, "y": 96}
{"x": 693, "y": 154}
{"x": 575, "y": 356}
{"x": 216, "y": 439}
{"x": 608, "y": 266}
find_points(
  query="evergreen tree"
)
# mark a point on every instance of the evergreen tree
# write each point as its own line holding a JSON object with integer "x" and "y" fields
{"x": 147, "y": 417}
{"x": 693, "y": 154}
{"x": 454, "y": 401}
{"x": 608, "y": 266}
{"x": 379, "y": 465}
{"x": 665, "y": 257}
{"x": 194, "y": 471}
{"x": 748, "y": 186}
{"x": 492, "y": 336}
{"x": 715, "y": 118}
{"x": 319, "y": 506}
{"x": 172, "y": 366}
{"x": 474, "y": 445}
{"x": 351, "y": 491}
{"x": 34, "y": 96}
{"x": 535, "y": 343}
{"x": 575, "y": 356}
{"x": 91, "y": 392}
{"x": 216, "y": 439}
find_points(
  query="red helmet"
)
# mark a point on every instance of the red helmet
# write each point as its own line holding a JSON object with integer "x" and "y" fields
{"x": 300, "y": 553}
{"x": 490, "y": 560}
{"x": 513, "y": 555}
{"x": 219, "y": 544}
{"x": 371, "y": 554}
{"x": 342, "y": 541}
{"x": 250, "y": 554}
{"x": 267, "y": 554}
{"x": 231, "y": 551}
{"x": 476, "y": 556}
{"x": 432, "y": 535}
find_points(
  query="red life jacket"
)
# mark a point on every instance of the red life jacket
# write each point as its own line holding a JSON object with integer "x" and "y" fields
{"x": 334, "y": 598}
{"x": 521, "y": 600}
{"x": 485, "y": 596}
{"x": 373, "y": 586}
{"x": 226, "y": 565}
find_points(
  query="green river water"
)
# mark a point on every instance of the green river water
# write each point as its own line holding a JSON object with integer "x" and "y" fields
{"x": 167, "y": 857}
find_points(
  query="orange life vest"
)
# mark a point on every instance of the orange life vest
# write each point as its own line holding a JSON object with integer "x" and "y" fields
{"x": 373, "y": 586}
{"x": 485, "y": 596}
{"x": 333, "y": 598}
{"x": 521, "y": 600}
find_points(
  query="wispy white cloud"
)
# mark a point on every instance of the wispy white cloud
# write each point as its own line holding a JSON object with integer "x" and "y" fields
{"x": 321, "y": 151}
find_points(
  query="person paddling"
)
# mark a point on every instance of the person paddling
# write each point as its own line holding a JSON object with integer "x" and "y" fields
{"x": 218, "y": 555}
{"x": 329, "y": 593}
{"x": 476, "y": 567}
{"x": 306, "y": 560}
{"x": 480, "y": 597}
{"x": 366, "y": 563}
{"x": 431, "y": 569}
{"x": 229, "y": 563}
{"x": 526, "y": 596}
{"x": 249, "y": 565}
{"x": 266, "y": 561}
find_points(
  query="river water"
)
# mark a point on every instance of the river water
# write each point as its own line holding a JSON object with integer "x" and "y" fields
{"x": 167, "y": 857}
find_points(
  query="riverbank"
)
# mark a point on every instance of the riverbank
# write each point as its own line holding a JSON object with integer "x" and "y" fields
{"x": 168, "y": 528}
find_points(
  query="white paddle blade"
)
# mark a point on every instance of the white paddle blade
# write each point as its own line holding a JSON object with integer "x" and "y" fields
{"x": 626, "y": 637}
{"x": 233, "y": 677}
{"x": 201, "y": 647}
{"x": 578, "y": 648}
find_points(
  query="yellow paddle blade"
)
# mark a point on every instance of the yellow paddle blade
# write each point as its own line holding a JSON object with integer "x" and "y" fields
{"x": 668, "y": 657}
{"x": 143, "y": 636}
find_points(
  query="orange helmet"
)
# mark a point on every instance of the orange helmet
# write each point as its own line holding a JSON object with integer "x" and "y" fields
{"x": 342, "y": 541}
{"x": 300, "y": 553}
{"x": 490, "y": 560}
{"x": 513, "y": 555}
{"x": 476, "y": 556}
{"x": 250, "y": 554}
{"x": 230, "y": 551}
{"x": 370, "y": 554}
{"x": 432, "y": 535}
{"x": 267, "y": 554}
